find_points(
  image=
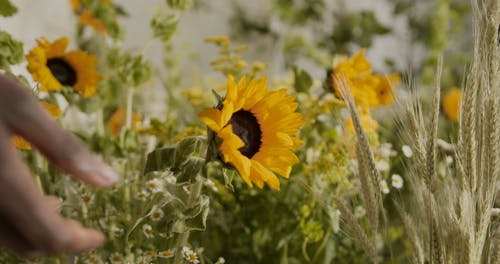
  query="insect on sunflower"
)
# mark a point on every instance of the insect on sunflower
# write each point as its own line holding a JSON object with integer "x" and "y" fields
{"x": 257, "y": 130}
{"x": 53, "y": 67}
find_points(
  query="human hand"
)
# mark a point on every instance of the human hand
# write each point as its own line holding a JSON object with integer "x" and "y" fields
{"x": 30, "y": 224}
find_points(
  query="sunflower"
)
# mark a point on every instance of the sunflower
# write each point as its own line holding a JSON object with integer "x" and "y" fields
{"x": 54, "y": 68}
{"x": 367, "y": 89}
{"x": 87, "y": 18}
{"x": 53, "y": 110}
{"x": 117, "y": 121}
{"x": 451, "y": 104}
{"x": 257, "y": 130}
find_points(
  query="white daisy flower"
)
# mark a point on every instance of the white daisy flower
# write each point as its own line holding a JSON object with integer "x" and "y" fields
{"x": 397, "y": 181}
{"x": 384, "y": 187}
{"x": 116, "y": 258}
{"x": 382, "y": 165}
{"x": 191, "y": 256}
{"x": 156, "y": 214}
{"x": 142, "y": 260}
{"x": 148, "y": 231}
{"x": 155, "y": 185}
{"x": 142, "y": 195}
{"x": 359, "y": 211}
{"x": 221, "y": 260}
{"x": 385, "y": 150}
{"x": 170, "y": 179}
{"x": 166, "y": 253}
{"x": 116, "y": 231}
{"x": 94, "y": 259}
{"x": 87, "y": 198}
{"x": 407, "y": 151}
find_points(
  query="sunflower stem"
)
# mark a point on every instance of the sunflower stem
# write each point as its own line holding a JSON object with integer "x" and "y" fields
{"x": 128, "y": 115}
{"x": 194, "y": 194}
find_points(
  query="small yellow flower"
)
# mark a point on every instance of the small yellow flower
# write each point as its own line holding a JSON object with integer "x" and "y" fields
{"x": 257, "y": 129}
{"x": 367, "y": 88}
{"x": 86, "y": 17}
{"x": 451, "y": 104}
{"x": 53, "y": 67}
{"x": 369, "y": 124}
{"x": 53, "y": 110}
{"x": 219, "y": 40}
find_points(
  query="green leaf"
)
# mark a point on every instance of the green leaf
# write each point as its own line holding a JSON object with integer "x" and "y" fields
{"x": 160, "y": 159}
{"x": 11, "y": 50}
{"x": 190, "y": 169}
{"x": 186, "y": 148}
{"x": 7, "y": 9}
{"x": 303, "y": 81}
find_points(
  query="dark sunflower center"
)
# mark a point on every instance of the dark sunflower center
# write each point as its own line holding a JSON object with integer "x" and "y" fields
{"x": 62, "y": 71}
{"x": 246, "y": 127}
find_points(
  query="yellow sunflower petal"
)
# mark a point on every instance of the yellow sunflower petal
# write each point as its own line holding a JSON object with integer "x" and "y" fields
{"x": 266, "y": 175}
{"x": 211, "y": 118}
{"x": 57, "y": 48}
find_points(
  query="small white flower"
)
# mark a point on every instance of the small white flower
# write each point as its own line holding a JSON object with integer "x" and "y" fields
{"x": 142, "y": 260}
{"x": 148, "y": 231}
{"x": 221, "y": 260}
{"x": 116, "y": 258}
{"x": 449, "y": 160}
{"x": 166, "y": 253}
{"x": 385, "y": 150}
{"x": 190, "y": 255}
{"x": 87, "y": 198}
{"x": 142, "y": 195}
{"x": 116, "y": 231}
{"x": 155, "y": 185}
{"x": 407, "y": 151}
{"x": 157, "y": 214}
{"x": 384, "y": 187}
{"x": 94, "y": 259}
{"x": 356, "y": 184}
{"x": 359, "y": 211}
{"x": 382, "y": 165}
{"x": 170, "y": 179}
{"x": 397, "y": 181}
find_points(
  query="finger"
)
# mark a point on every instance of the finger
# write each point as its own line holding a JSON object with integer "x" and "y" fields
{"x": 80, "y": 238}
{"x": 30, "y": 212}
{"x": 29, "y": 120}
{"x": 54, "y": 203}
{"x": 10, "y": 238}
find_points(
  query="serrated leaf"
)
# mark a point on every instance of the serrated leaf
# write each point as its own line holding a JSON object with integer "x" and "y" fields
{"x": 186, "y": 148}
{"x": 160, "y": 159}
{"x": 190, "y": 169}
{"x": 7, "y": 9}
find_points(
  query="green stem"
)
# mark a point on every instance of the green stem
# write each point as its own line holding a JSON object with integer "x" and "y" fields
{"x": 100, "y": 122}
{"x": 130, "y": 100}
{"x": 183, "y": 238}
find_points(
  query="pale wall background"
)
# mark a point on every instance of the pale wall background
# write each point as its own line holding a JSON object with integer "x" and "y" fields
{"x": 53, "y": 18}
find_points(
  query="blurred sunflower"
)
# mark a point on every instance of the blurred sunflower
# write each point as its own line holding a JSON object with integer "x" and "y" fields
{"x": 53, "y": 110}
{"x": 117, "y": 121}
{"x": 87, "y": 18}
{"x": 257, "y": 131}
{"x": 367, "y": 88}
{"x": 451, "y": 104}
{"x": 54, "y": 68}
{"x": 369, "y": 124}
